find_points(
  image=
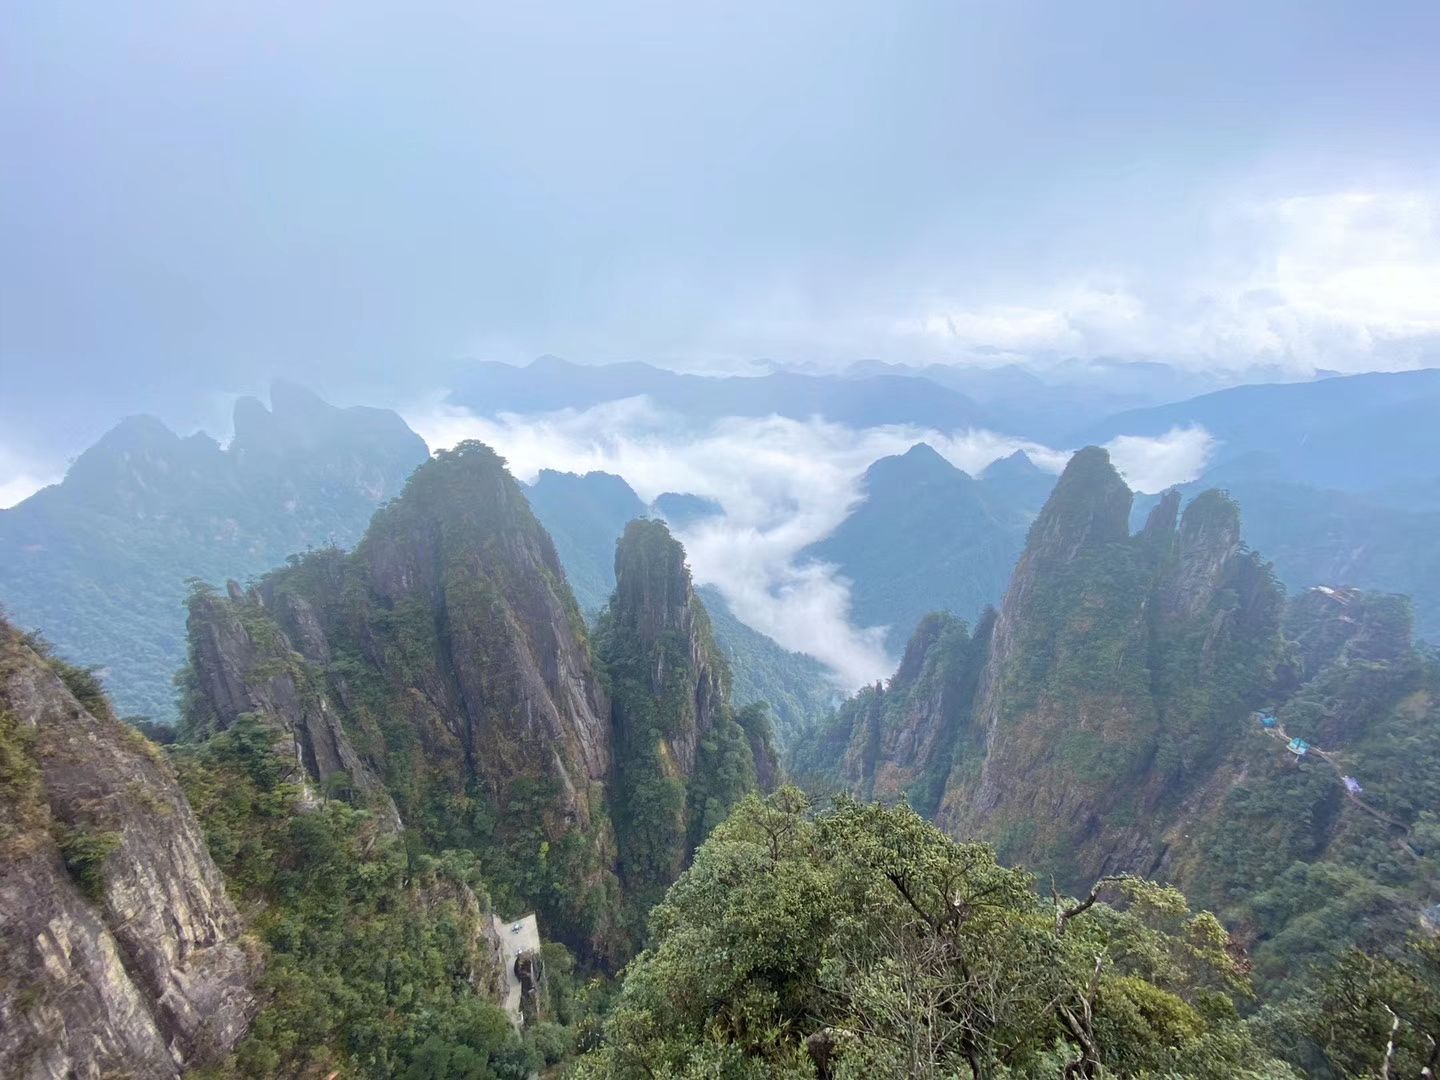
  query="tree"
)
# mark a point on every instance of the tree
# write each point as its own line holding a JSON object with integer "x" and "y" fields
{"x": 858, "y": 940}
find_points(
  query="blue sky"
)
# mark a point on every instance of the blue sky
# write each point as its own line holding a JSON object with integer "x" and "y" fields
{"x": 198, "y": 197}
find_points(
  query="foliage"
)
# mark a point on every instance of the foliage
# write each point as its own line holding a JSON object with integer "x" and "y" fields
{"x": 85, "y": 853}
{"x": 669, "y": 689}
{"x": 860, "y": 941}
{"x": 374, "y": 966}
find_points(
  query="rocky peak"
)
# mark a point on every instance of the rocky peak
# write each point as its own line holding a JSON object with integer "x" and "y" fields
{"x": 1162, "y": 520}
{"x": 1207, "y": 542}
{"x": 681, "y": 756}
{"x": 1089, "y": 506}
{"x": 653, "y": 591}
{"x": 445, "y": 660}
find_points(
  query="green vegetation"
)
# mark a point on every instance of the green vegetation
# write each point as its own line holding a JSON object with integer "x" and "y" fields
{"x": 375, "y": 963}
{"x": 860, "y": 941}
{"x": 797, "y": 688}
{"x": 927, "y": 537}
{"x": 99, "y": 562}
{"x": 85, "y": 853}
{"x": 682, "y": 757}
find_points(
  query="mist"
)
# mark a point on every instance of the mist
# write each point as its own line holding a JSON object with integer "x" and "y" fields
{"x": 784, "y": 484}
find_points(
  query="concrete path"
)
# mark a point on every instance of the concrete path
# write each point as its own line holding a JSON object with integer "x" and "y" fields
{"x": 517, "y": 937}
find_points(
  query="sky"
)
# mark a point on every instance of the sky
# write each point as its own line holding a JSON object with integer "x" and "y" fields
{"x": 365, "y": 196}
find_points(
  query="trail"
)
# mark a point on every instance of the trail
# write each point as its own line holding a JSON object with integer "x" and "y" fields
{"x": 1379, "y": 815}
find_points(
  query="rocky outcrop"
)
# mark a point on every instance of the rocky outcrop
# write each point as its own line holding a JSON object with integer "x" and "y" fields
{"x": 243, "y": 664}
{"x": 443, "y": 664}
{"x": 681, "y": 757}
{"x": 900, "y": 740}
{"x": 1118, "y": 670}
{"x": 120, "y": 951}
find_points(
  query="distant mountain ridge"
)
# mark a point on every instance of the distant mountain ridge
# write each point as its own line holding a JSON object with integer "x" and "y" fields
{"x": 930, "y": 537}
{"x": 549, "y": 383}
{"x": 99, "y": 561}
{"x": 1355, "y": 433}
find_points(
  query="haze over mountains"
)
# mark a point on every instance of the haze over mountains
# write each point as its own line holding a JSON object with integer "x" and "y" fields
{"x": 830, "y": 542}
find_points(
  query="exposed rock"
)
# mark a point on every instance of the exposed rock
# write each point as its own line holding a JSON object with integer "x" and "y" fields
{"x": 137, "y": 967}
{"x": 243, "y": 664}
{"x": 900, "y": 740}
{"x": 1069, "y": 728}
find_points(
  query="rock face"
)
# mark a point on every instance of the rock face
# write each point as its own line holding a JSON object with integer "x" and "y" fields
{"x": 243, "y": 663}
{"x": 682, "y": 758}
{"x": 444, "y": 662}
{"x": 120, "y": 950}
{"x": 901, "y": 740}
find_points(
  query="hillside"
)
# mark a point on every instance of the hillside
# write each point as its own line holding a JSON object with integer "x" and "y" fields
{"x": 1355, "y": 433}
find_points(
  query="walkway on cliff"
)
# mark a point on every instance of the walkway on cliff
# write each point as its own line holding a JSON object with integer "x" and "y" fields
{"x": 1329, "y": 758}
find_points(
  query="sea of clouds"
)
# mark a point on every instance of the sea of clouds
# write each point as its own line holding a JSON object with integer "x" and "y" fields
{"x": 783, "y": 483}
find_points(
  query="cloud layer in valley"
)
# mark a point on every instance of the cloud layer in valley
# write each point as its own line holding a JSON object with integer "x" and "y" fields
{"x": 784, "y": 484}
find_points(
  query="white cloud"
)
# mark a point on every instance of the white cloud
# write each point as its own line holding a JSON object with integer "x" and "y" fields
{"x": 1345, "y": 280}
{"x": 1154, "y": 464}
{"x": 784, "y": 484}
{"x": 20, "y": 478}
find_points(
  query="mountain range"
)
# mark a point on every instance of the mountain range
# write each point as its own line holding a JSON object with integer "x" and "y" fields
{"x": 100, "y": 560}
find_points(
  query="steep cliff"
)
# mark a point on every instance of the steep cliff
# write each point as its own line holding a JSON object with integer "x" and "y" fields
{"x": 682, "y": 758}
{"x": 445, "y": 660}
{"x": 120, "y": 951}
{"x": 1120, "y": 668}
{"x": 903, "y": 738}
{"x": 243, "y": 664}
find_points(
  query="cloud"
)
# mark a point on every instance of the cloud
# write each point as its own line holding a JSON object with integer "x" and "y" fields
{"x": 1154, "y": 464}
{"x": 784, "y": 484}
{"x": 1346, "y": 280}
{"x": 20, "y": 478}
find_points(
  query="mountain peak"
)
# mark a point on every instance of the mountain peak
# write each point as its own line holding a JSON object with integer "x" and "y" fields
{"x": 921, "y": 462}
{"x": 1089, "y": 506}
{"x": 1018, "y": 465}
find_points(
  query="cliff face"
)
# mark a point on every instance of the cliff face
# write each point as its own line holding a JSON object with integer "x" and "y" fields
{"x": 902, "y": 739}
{"x": 1120, "y": 668}
{"x": 243, "y": 663}
{"x": 682, "y": 758}
{"x": 446, "y": 662}
{"x": 120, "y": 950}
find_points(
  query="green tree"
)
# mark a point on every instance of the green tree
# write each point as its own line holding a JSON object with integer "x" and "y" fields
{"x": 860, "y": 941}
